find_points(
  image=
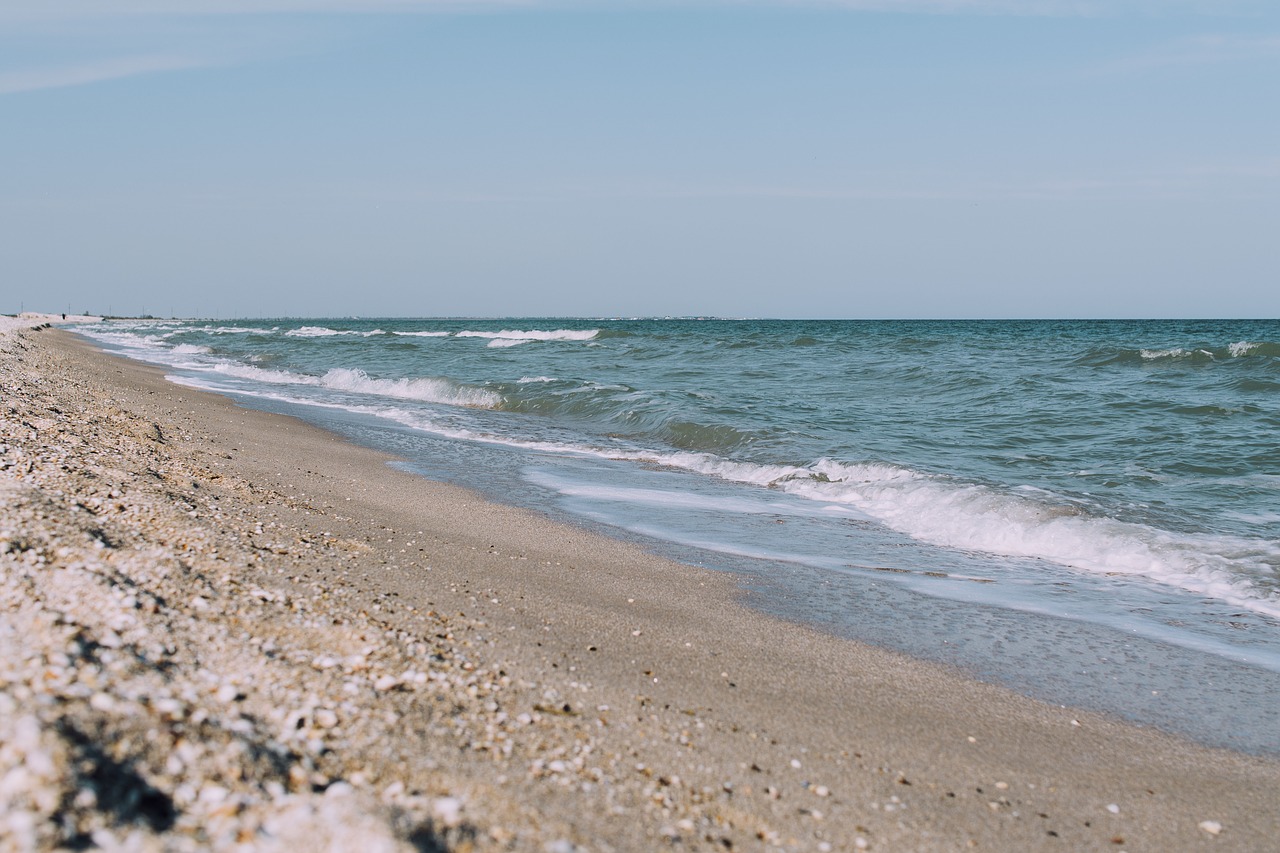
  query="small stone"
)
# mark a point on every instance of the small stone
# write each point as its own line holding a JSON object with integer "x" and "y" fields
{"x": 386, "y": 682}
{"x": 212, "y": 794}
{"x": 1113, "y": 808}
{"x": 821, "y": 791}
{"x": 448, "y": 811}
{"x": 227, "y": 693}
{"x": 168, "y": 707}
{"x": 325, "y": 718}
{"x": 1211, "y": 826}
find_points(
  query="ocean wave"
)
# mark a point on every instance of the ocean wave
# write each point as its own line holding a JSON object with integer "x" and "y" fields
{"x": 192, "y": 349}
{"x": 425, "y": 389}
{"x": 982, "y": 519}
{"x": 126, "y": 339}
{"x": 1182, "y": 355}
{"x": 513, "y": 337}
{"x": 262, "y": 374}
{"x": 428, "y": 389}
{"x": 326, "y": 332}
{"x": 227, "y": 330}
{"x": 422, "y": 334}
{"x": 1174, "y": 352}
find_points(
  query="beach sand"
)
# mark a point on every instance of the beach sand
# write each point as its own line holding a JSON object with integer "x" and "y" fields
{"x": 222, "y": 627}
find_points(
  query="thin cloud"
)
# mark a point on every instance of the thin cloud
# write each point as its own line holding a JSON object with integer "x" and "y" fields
{"x": 1200, "y": 50}
{"x": 69, "y": 10}
{"x": 56, "y": 10}
{"x": 12, "y": 82}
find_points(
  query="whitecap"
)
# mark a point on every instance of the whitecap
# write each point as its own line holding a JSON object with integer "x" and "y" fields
{"x": 512, "y": 337}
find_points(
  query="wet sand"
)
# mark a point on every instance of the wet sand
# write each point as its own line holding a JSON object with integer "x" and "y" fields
{"x": 266, "y": 634}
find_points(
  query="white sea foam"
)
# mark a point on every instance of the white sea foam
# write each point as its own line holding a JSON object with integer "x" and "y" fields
{"x": 422, "y": 334}
{"x": 325, "y": 332}
{"x": 191, "y": 349}
{"x": 977, "y": 518}
{"x": 314, "y": 332}
{"x": 692, "y": 501}
{"x": 531, "y": 380}
{"x": 126, "y": 339}
{"x": 1239, "y": 349}
{"x": 512, "y": 337}
{"x": 427, "y": 389}
{"x": 261, "y": 374}
{"x": 1174, "y": 352}
{"x": 224, "y": 330}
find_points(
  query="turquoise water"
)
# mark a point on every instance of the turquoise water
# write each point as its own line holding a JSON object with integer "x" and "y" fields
{"x": 1118, "y": 479}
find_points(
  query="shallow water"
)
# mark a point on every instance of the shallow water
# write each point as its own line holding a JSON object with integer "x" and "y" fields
{"x": 1089, "y": 511}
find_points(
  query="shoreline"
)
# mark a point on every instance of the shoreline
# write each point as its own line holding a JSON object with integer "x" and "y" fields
{"x": 643, "y": 701}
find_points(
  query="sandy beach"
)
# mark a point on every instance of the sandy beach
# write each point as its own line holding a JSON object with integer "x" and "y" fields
{"x": 226, "y": 629}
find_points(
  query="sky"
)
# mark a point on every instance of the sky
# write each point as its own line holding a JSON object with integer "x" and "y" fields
{"x": 777, "y": 158}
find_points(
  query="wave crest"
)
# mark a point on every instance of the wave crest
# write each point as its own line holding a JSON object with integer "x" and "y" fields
{"x": 326, "y": 332}
{"x": 513, "y": 337}
{"x": 1182, "y": 355}
{"x": 426, "y": 389}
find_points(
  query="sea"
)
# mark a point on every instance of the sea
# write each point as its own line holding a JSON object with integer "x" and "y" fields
{"x": 1087, "y": 512}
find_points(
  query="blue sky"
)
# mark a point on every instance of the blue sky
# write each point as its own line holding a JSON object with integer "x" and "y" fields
{"x": 901, "y": 158}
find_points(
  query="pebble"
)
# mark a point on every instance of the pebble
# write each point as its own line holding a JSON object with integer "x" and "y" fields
{"x": 1211, "y": 826}
{"x": 448, "y": 811}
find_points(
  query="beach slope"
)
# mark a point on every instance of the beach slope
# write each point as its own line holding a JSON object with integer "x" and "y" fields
{"x": 225, "y": 627}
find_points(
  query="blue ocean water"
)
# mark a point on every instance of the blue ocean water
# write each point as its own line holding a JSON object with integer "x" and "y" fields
{"x": 1088, "y": 510}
